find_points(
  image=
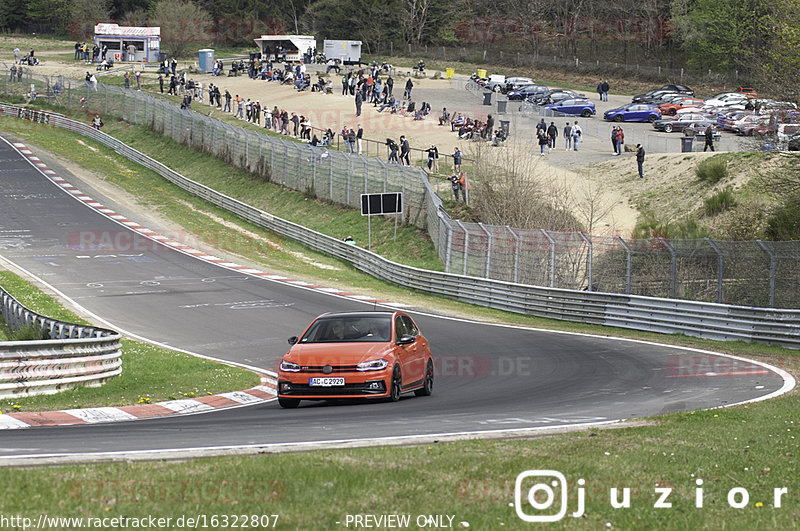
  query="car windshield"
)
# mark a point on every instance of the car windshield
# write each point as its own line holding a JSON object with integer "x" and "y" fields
{"x": 362, "y": 329}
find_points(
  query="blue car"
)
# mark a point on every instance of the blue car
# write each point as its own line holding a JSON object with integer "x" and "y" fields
{"x": 572, "y": 106}
{"x": 633, "y": 112}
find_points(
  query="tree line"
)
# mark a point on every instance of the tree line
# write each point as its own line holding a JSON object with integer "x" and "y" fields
{"x": 755, "y": 37}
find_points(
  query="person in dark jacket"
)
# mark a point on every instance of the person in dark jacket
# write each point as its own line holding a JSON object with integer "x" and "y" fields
{"x": 552, "y": 134}
{"x": 404, "y": 150}
{"x": 640, "y": 160}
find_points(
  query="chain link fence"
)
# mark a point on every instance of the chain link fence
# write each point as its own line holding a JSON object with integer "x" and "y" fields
{"x": 754, "y": 273}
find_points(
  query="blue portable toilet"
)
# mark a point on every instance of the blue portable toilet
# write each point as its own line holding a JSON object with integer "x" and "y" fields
{"x": 206, "y": 60}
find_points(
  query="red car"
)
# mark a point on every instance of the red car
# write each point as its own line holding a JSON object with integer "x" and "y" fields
{"x": 672, "y": 108}
{"x": 356, "y": 355}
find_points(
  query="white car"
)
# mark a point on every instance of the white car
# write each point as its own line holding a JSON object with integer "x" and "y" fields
{"x": 726, "y": 99}
{"x": 787, "y": 131}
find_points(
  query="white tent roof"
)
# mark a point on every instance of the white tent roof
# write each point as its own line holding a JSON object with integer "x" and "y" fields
{"x": 127, "y": 31}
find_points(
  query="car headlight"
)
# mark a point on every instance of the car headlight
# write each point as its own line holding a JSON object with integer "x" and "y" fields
{"x": 288, "y": 366}
{"x": 374, "y": 365}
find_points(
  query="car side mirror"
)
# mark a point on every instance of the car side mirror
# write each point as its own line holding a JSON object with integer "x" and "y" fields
{"x": 293, "y": 340}
{"x": 406, "y": 339}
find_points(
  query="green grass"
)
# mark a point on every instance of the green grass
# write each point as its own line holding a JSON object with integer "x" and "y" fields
{"x": 719, "y": 202}
{"x": 712, "y": 170}
{"x": 149, "y": 374}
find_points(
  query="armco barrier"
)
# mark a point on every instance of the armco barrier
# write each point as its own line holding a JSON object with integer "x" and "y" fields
{"x": 701, "y": 319}
{"x": 74, "y": 354}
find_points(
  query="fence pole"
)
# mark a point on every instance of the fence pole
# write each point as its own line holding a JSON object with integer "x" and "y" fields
{"x": 488, "y": 250}
{"x": 773, "y": 265}
{"x": 719, "y": 267}
{"x": 466, "y": 244}
{"x": 516, "y": 253}
{"x": 552, "y": 258}
{"x": 673, "y": 268}
{"x": 627, "y": 266}
{"x": 589, "y": 258}
{"x": 449, "y": 248}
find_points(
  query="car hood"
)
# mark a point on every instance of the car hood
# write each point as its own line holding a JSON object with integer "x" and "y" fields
{"x": 337, "y": 353}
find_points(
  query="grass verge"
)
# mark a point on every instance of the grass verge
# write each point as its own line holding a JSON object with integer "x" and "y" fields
{"x": 149, "y": 373}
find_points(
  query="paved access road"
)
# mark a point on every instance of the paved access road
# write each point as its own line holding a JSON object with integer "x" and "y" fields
{"x": 490, "y": 377}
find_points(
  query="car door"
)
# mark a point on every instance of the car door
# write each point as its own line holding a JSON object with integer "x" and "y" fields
{"x": 413, "y": 353}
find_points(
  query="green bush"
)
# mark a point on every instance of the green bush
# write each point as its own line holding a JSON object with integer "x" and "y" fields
{"x": 712, "y": 170}
{"x": 784, "y": 223}
{"x": 720, "y": 202}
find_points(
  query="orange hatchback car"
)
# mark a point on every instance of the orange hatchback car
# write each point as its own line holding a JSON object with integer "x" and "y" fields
{"x": 356, "y": 355}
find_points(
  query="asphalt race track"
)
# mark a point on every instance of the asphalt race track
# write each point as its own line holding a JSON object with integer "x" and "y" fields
{"x": 489, "y": 377}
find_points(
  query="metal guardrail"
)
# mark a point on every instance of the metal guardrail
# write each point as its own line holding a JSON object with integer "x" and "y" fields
{"x": 706, "y": 320}
{"x": 74, "y": 355}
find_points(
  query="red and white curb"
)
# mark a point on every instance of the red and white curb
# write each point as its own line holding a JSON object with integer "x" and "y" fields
{"x": 95, "y": 415}
{"x": 163, "y": 240}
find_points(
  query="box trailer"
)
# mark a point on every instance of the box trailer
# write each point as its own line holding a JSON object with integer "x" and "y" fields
{"x": 295, "y": 45}
{"x": 348, "y": 52}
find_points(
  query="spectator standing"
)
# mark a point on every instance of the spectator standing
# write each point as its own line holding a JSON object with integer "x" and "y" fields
{"x": 16, "y": 54}
{"x": 542, "y": 135}
{"x": 605, "y": 88}
{"x": 433, "y": 158}
{"x": 97, "y": 122}
{"x": 640, "y": 160}
{"x": 138, "y": 76}
{"x": 392, "y": 145}
{"x": 359, "y": 101}
{"x": 618, "y": 141}
{"x": 600, "y": 90}
{"x": 174, "y": 65}
{"x": 576, "y": 135}
{"x": 345, "y": 138}
{"x": 77, "y": 50}
{"x": 359, "y": 137}
{"x": 409, "y": 86}
{"x": 161, "y": 83}
{"x": 463, "y": 180}
{"x": 227, "y": 101}
{"x": 541, "y": 126}
{"x": 455, "y": 185}
{"x": 404, "y": 150}
{"x": 457, "y": 160}
{"x": 552, "y": 134}
{"x": 351, "y": 138}
{"x": 295, "y": 124}
{"x": 389, "y": 85}
{"x": 709, "y": 134}
{"x": 568, "y": 136}
{"x": 614, "y": 139}
{"x": 93, "y": 81}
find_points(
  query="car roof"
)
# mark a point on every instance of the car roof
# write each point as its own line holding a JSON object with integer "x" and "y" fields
{"x": 375, "y": 313}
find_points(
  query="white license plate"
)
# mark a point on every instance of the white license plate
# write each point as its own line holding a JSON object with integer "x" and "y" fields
{"x": 325, "y": 382}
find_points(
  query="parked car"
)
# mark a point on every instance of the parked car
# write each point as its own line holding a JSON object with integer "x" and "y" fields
{"x": 750, "y": 92}
{"x": 669, "y": 125}
{"x": 356, "y": 355}
{"x": 754, "y": 124}
{"x": 527, "y": 91}
{"x": 786, "y": 132}
{"x": 677, "y": 89}
{"x": 699, "y": 129}
{"x": 664, "y": 97}
{"x": 725, "y": 99}
{"x": 573, "y": 106}
{"x": 671, "y": 108}
{"x": 633, "y": 112}
{"x": 556, "y": 95}
{"x": 794, "y": 143}
{"x": 495, "y": 83}
{"x": 516, "y": 82}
